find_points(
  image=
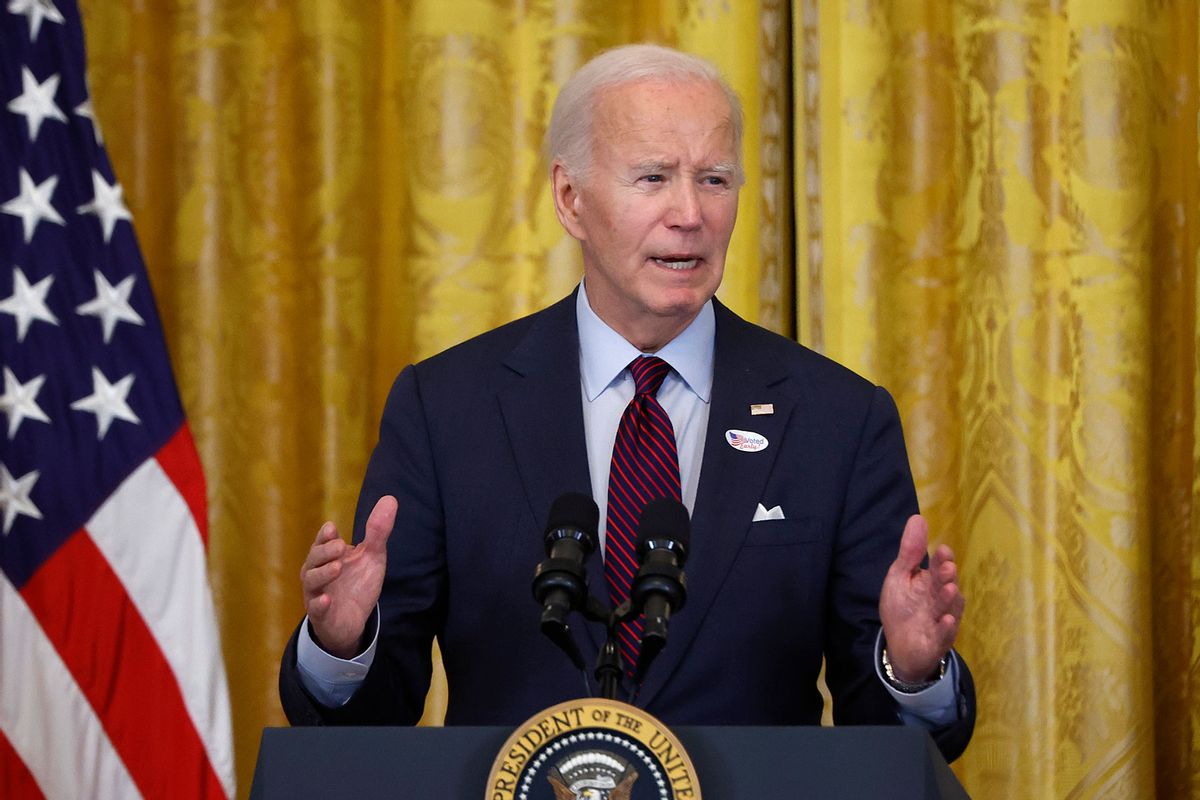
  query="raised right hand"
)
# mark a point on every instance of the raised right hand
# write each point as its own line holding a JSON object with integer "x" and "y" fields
{"x": 342, "y": 582}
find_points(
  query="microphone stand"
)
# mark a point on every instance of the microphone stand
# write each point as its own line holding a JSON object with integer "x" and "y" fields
{"x": 608, "y": 662}
{"x": 609, "y": 668}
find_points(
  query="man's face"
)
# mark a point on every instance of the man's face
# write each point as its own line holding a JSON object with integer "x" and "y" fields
{"x": 655, "y": 214}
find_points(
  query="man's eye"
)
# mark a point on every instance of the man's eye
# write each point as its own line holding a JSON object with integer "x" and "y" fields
{"x": 716, "y": 180}
{"x": 653, "y": 178}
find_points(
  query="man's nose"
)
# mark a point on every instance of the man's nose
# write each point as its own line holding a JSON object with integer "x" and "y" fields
{"x": 685, "y": 206}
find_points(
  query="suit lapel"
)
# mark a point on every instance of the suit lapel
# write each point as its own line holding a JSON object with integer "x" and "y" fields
{"x": 543, "y": 417}
{"x": 731, "y": 481}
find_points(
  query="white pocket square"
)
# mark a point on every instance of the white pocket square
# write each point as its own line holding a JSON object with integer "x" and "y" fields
{"x": 761, "y": 513}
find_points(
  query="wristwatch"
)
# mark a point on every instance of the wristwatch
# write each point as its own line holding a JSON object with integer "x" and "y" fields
{"x": 905, "y": 686}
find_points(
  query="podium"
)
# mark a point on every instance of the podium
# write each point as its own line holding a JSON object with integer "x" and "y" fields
{"x": 732, "y": 763}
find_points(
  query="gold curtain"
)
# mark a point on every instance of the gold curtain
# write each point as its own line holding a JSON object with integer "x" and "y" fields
{"x": 996, "y": 217}
{"x": 999, "y": 222}
{"x": 327, "y": 191}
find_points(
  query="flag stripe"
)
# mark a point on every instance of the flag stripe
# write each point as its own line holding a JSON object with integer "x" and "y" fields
{"x": 181, "y": 462}
{"x": 164, "y": 576}
{"x": 86, "y": 614}
{"x": 48, "y": 722}
{"x": 16, "y": 781}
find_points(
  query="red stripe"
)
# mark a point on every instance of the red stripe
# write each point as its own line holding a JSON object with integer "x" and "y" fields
{"x": 619, "y": 579}
{"x": 659, "y": 421}
{"x": 633, "y": 479}
{"x": 619, "y": 511}
{"x": 630, "y": 644}
{"x": 620, "y": 545}
{"x": 663, "y": 449}
{"x": 16, "y": 781}
{"x": 648, "y": 374}
{"x": 625, "y": 486}
{"x": 667, "y": 460}
{"x": 623, "y": 564}
{"x": 622, "y": 540}
{"x": 654, "y": 470}
{"x": 179, "y": 459}
{"x": 106, "y": 645}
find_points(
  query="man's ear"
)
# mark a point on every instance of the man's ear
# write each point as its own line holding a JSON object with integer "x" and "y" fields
{"x": 567, "y": 202}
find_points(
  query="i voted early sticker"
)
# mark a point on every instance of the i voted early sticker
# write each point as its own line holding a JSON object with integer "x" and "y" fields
{"x": 746, "y": 441}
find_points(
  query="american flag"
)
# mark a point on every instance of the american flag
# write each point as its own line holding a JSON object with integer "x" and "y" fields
{"x": 111, "y": 678}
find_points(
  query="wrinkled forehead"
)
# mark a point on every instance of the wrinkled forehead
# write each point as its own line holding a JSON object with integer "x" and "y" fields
{"x": 669, "y": 113}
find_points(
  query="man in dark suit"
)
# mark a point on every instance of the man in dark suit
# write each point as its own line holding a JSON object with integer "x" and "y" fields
{"x": 794, "y": 470}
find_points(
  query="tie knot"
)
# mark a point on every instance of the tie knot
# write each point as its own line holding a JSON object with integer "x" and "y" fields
{"x": 648, "y": 373}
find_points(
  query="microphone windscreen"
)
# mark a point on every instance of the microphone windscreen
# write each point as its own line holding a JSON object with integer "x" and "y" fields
{"x": 574, "y": 510}
{"x": 665, "y": 520}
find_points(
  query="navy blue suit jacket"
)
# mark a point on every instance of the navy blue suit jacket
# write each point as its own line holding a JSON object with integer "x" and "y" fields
{"x": 477, "y": 442}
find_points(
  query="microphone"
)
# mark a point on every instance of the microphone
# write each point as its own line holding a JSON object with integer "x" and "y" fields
{"x": 560, "y": 582}
{"x": 664, "y": 533}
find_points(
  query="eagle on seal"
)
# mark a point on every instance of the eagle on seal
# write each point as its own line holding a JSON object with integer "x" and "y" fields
{"x": 592, "y": 775}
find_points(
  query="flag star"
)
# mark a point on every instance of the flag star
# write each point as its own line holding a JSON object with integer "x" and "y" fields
{"x": 106, "y": 204}
{"x": 35, "y": 11}
{"x": 107, "y": 401}
{"x": 27, "y": 302}
{"x": 14, "y": 496}
{"x": 111, "y": 305}
{"x": 32, "y": 205}
{"x": 85, "y": 110}
{"x": 36, "y": 102}
{"x": 19, "y": 401}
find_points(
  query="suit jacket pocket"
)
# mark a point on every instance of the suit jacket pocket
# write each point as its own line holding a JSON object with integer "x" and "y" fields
{"x": 780, "y": 532}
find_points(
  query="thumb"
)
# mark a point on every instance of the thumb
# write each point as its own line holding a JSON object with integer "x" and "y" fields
{"x": 912, "y": 545}
{"x": 380, "y": 522}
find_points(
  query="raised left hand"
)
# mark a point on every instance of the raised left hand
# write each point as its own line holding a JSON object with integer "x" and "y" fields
{"x": 920, "y": 608}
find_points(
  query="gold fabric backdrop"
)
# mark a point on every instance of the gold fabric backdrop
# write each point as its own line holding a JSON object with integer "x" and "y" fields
{"x": 995, "y": 216}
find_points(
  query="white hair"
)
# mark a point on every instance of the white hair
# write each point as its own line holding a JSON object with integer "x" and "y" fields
{"x": 569, "y": 137}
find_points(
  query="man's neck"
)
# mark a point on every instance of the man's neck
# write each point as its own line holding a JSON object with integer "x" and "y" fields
{"x": 648, "y": 336}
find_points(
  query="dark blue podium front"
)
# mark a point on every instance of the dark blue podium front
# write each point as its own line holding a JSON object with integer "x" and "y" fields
{"x": 732, "y": 763}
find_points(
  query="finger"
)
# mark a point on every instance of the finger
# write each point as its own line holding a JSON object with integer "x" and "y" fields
{"x": 947, "y": 631}
{"x": 945, "y": 573}
{"x": 321, "y": 554}
{"x": 315, "y": 580}
{"x": 379, "y": 523}
{"x": 950, "y": 601}
{"x": 942, "y": 554}
{"x": 317, "y": 606}
{"x": 326, "y": 532}
{"x": 912, "y": 545}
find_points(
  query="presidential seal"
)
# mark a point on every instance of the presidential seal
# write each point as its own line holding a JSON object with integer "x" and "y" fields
{"x": 592, "y": 750}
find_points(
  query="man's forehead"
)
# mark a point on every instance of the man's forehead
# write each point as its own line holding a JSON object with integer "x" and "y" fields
{"x": 650, "y": 94}
{"x": 650, "y": 112}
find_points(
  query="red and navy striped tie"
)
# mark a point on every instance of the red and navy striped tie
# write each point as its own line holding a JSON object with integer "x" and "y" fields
{"x": 645, "y": 467}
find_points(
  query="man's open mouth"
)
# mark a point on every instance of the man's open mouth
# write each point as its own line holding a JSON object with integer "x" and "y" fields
{"x": 676, "y": 262}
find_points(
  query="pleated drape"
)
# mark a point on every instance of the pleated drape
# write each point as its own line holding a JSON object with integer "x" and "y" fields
{"x": 999, "y": 222}
{"x": 989, "y": 207}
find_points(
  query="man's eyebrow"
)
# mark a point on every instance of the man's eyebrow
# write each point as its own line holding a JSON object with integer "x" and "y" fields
{"x": 652, "y": 166}
{"x": 655, "y": 165}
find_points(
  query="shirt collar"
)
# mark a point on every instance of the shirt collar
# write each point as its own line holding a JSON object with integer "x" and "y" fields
{"x": 604, "y": 353}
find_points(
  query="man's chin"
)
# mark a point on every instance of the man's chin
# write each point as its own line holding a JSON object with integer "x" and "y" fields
{"x": 681, "y": 304}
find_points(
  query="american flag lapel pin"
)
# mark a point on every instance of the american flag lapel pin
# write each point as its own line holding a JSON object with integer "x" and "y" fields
{"x": 761, "y": 409}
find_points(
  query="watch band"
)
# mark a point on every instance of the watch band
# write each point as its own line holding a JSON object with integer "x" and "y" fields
{"x": 905, "y": 686}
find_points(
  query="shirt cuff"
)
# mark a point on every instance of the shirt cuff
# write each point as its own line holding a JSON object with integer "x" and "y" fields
{"x": 934, "y": 707}
{"x": 332, "y": 681}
